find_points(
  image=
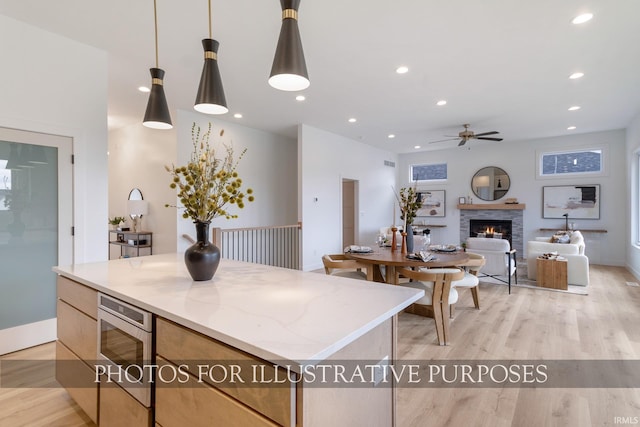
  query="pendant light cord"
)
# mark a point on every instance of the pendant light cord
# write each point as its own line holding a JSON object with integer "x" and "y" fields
{"x": 155, "y": 20}
{"x": 210, "y": 19}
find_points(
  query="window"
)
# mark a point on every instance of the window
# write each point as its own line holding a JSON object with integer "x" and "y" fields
{"x": 433, "y": 172}
{"x": 5, "y": 185}
{"x": 571, "y": 163}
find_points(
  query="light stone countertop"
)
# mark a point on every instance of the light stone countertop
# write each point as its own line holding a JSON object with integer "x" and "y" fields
{"x": 277, "y": 314}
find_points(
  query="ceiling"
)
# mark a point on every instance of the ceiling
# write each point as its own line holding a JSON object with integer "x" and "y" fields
{"x": 500, "y": 65}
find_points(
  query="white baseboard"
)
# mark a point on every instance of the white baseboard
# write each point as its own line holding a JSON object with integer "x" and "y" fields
{"x": 25, "y": 336}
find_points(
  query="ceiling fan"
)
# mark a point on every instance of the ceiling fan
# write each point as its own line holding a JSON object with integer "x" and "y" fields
{"x": 467, "y": 134}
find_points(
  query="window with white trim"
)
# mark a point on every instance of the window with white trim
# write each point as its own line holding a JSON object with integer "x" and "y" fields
{"x": 579, "y": 162}
{"x": 430, "y": 172}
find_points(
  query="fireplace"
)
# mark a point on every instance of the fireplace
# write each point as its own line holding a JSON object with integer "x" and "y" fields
{"x": 490, "y": 228}
{"x": 512, "y": 213}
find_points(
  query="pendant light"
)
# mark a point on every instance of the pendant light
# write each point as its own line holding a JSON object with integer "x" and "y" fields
{"x": 289, "y": 70}
{"x": 210, "y": 98}
{"x": 157, "y": 115}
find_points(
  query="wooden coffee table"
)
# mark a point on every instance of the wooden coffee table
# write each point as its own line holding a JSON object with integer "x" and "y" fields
{"x": 552, "y": 273}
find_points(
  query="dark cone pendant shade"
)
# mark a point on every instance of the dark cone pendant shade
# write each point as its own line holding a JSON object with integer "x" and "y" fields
{"x": 157, "y": 115}
{"x": 289, "y": 70}
{"x": 210, "y": 98}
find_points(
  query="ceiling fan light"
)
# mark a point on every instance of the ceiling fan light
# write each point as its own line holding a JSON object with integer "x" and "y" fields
{"x": 289, "y": 69}
{"x": 210, "y": 98}
{"x": 157, "y": 115}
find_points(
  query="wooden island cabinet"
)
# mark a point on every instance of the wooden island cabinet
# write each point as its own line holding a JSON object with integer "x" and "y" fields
{"x": 243, "y": 352}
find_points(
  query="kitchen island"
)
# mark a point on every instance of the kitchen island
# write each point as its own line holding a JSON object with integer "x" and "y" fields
{"x": 283, "y": 321}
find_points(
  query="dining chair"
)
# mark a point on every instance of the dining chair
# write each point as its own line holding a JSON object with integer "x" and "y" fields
{"x": 439, "y": 294}
{"x": 340, "y": 265}
{"x": 470, "y": 279}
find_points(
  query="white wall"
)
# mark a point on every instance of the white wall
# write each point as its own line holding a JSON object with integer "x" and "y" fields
{"x": 633, "y": 197}
{"x": 52, "y": 84}
{"x": 269, "y": 167}
{"x": 518, "y": 159}
{"x": 137, "y": 156}
{"x": 326, "y": 159}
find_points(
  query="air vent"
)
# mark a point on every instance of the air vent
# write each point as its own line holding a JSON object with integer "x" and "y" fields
{"x": 390, "y": 163}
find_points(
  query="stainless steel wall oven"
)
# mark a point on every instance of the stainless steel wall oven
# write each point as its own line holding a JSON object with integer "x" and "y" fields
{"x": 125, "y": 345}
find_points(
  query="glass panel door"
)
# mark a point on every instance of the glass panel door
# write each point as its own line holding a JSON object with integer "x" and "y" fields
{"x": 35, "y": 223}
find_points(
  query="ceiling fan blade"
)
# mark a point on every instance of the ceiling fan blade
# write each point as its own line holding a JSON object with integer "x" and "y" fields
{"x": 462, "y": 142}
{"x": 493, "y": 132}
{"x": 442, "y": 140}
{"x": 489, "y": 139}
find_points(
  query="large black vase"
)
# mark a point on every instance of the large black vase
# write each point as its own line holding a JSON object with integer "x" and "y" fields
{"x": 202, "y": 258}
{"x": 409, "y": 231}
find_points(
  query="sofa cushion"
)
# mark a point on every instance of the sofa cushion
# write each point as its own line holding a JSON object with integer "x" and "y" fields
{"x": 560, "y": 238}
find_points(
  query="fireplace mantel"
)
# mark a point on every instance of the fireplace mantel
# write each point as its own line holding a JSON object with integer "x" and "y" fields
{"x": 493, "y": 206}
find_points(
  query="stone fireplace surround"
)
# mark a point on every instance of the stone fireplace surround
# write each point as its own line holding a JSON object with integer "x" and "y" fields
{"x": 505, "y": 212}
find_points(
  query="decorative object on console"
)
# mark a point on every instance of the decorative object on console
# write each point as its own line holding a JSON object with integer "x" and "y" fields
{"x": 205, "y": 187}
{"x": 116, "y": 221}
{"x": 137, "y": 209}
{"x": 578, "y": 201}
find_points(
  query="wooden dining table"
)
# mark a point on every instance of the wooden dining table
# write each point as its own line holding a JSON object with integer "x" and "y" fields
{"x": 383, "y": 256}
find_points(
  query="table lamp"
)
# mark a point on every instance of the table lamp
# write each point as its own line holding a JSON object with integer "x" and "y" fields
{"x": 137, "y": 208}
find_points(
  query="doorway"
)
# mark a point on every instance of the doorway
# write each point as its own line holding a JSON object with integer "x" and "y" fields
{"x": 36, "y": 209}
{"x": 349, "y": 212}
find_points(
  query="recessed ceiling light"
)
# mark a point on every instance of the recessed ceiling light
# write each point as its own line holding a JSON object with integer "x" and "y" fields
{"x": 352, "y": 120}
{"x": 144, "y": 89}
{"x": 300, "y": 98}
{"x": 574, "y": 108}
{"x": 581, "y": 19}
{"x": 237, "y": 115}
{"x": 576, "y": 75}
{"x": 571, "y": 128}
{"x": 416, "y": 147}
{"x": 441, "y": 102}
{"x": 391, "y": 136}
{"x": 402, "y": 70}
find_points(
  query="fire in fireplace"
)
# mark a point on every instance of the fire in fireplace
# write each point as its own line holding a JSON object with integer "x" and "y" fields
{"x": 490, "y": 228}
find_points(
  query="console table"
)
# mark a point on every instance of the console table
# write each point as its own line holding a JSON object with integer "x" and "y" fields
{"x": 135, "y": 240}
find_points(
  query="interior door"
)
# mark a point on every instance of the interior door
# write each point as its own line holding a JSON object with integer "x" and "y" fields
{"x": 349, "y": 209}
{"x": 35, "y": 233}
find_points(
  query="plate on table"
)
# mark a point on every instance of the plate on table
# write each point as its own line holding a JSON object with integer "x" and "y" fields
{"x": 443, "y": 248}
{"x": 358, "y": 249}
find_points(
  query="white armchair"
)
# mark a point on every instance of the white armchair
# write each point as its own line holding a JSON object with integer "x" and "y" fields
{"x": 500, "y": 258}
{"x": 577, "y": 261}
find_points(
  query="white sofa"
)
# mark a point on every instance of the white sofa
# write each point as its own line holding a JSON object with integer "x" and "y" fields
{"x": 577, "y": 261}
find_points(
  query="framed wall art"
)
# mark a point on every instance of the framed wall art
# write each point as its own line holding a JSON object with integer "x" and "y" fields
{"x": 578, "y": 201}
{"x": 433, "y": 203}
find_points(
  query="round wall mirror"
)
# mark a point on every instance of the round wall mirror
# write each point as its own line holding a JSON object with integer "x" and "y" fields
{"x": 490, "y": 183}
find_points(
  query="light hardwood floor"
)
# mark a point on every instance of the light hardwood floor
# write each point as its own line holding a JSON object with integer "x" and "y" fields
{"x": 528, "y": 324}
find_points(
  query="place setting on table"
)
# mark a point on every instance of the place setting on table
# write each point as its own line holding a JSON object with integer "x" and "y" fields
{"x": 390, "y": 258}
